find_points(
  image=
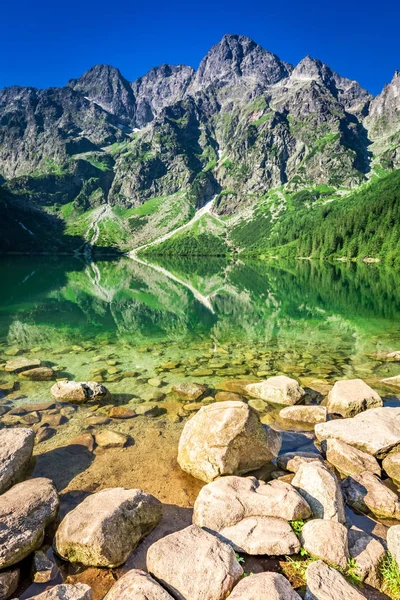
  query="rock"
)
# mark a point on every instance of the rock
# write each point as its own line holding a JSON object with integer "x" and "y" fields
{"x": 189, "y": 391}
{"x": 366, "y": 493}
{"x": 291, "y": 461}
{"x": 227, "y": 396}
{"x": 44, "y": 433}
{"x": 191, "y": 561}
{"x": 348, "y": 460}
{"x": 375, "y": 431}
{"x": 9, "y": 580}
{"x": 326, "y": 540}
{"x": 21, "y": 364}
{"x": 74, "y": 391}
{"x": 230, "y": 499}
{"x": 38, "y": 374}
{"x": 54, "y": 420}
{"x": 111, "y": 439}
{"x": 148, "y": 409}
{"x": 25, "y": 512}
{"x": 321, "y": 490}
{"x": 154, "y": 382}
{"x": 121, "y": 412}
{"x": 326, "y": 583}
{"x": 368, "y": 553}
{"x": 82, "y": 441}
{"x": 391, "y": 464}
{"x": 137, "y": 585}
{"x": 392, "y": 381}
{"x": 258, "y": 405}
{"x": 278, "y": 390}
{"x": 16, "y": 447}
{"x": 264, "y": 586}
{"x": 202, "y": 373}
{"x": 393, "y": 542}
{"x": 107, "y": 526}
{"x": 44, "y": 569}
{"x": 66, "y": 591}
{"x": 304, "y": 414}
{"x": 225, "y": 438}
{"x": 352, "y": 396}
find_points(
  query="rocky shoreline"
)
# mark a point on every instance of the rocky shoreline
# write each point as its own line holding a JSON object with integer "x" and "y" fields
{"x": 312, "y": 511}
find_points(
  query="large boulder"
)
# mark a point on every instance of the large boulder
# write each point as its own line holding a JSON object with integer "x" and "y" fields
{"x": 107, "y": 526}
{"x": 366, "y": 492}
{"x": 137, "y": 585}
{"x": 16, "y": 447}
{"x": 368, "y": 553}
{"x": 264, "y": 586}
{"x": 304, "y": 414}
{"x": 320, "y": 488}
{"x": 326, "y": 583}
{"x": 391, "y": 464}
{"x": 261, "y": 535}
{"x": 225, "y": 438}
{"x": 66, "y": 591}
{"x": 352, "y": 396}
{"x": 25, "y": 512}
{"x": 349, "y": 460}
{"x": 393, "y": 542}
{"x": 191, "y": 561}
{"x": 278, "y": 390}
{"x": 326, "y": 540}
{"x": 9, "y": 581}
{"x": 375, "y": 431}
{"x": 79, "y": 392}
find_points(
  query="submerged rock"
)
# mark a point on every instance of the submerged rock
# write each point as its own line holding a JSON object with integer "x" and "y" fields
{"x": 191, "y": 561}
{"x": 350, "y": 397}
{"x": 348, "y": 460}
{"x": 21, "y": 364}
{"x": 321, "y": 490}
{"x": 264, "y": 586}
{"x": 225, "y": 438}
{"x": 16, "y": 447}
{"x": 366, "y": 492}
{"x": 66, "y": 591}
{"x": 189, "y": 391}
{"x": 79, "y": 392}
{"x": 326, "y": 540}
{"x": 25, "y": 512}
{"x": 278, "y": 390}
{"x": 326, "y": 583}
{"x": 137, "y": 585}
{"x": 107, "y": 526}
{"x": 38, "y": 374}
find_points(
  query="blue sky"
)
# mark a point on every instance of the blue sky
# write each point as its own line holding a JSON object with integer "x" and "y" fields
{"x": 45, "y": 43}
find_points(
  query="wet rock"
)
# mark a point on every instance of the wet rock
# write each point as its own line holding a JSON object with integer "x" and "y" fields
{"x": 258, "y": 405}
{"x": 304, "y": 414}
{"x": 228, "y": 396}
{"x": 65, "y": 591}
{"x": 292, "y": 461}
{"x": 368, "y": 553}
{"x": 9, "y": 580}
{"x": 25, "y": 512}
{"x": 392, "y": 381}
{"x": 393, "y": 542}
{"x": 237, "y": 386}
{"x": 121, "y": 412}
{"x": 107, "y": 526}
{"x": 97, "y": 421}
{"x": 74, "y": 391}
{"x": 278, "y": 390}
{"x": 321, "y": 490}
{"x": 326, "y": 583}
{"x": 148, "y": 409}
{"x": 264, "y": 586}
{"x": 225, "y": 438}
{"x": 44, "y": 433}
{"x": 54, "y": 420}
{"x": 348, "y": 460}
{"x": 189, "y": 391}
{"x": 192, "y": 560}
{"x": 375, "y": 431}
{"x": 326, "y": 540}
{"x": 21, "y": 364}
{"x": 202, "y": 373}
{"x": 111, "y": 439}
{"x": 391, "y": 464}
{"x": 154, "y": 382}
{"x": 38, "y": 374}
{"x": 44, "y": 569}
{"x": 366, "y": 492}
{"x": 138, "y": 585}
{"x": 86, "y": 440}
{"x": 352, "y": 396}
{"x": 16, "y": 447}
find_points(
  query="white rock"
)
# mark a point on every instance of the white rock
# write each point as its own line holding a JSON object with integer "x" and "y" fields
{"x": 368, "y": 553}
{"x": 262, "y": 535}
{"x": 352, "y": 396}
{"x": 321, "y": 490}
{"x": 16, "y": 447}
{"x": 79, "y": 392}
{"x": 393, "y": 542}
{"x": 9, "y": 580}
{"x": 304, "y": 414}
{"x": 366, "y": 492}
{"x": 264, "y": 586}
{"x": 326, "y": 540}
{"x": 65, "y": 591}
{"x": 278, "y": 390}
{"x": 291, "y": 461}
{"x": 137, "y": 585}
{"x": 349, "y": 460}
{"x": 326, "y": 583}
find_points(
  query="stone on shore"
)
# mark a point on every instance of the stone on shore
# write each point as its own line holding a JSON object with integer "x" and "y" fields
{"x": 368, "y": 553}
{"x": 9, "y": 580}
{"x": 352, "y": 396}
{"x": 189, "y": 391}
{"x": 44, "y": 569}
{"x": 326, "y": 583}
{"x": 66, "y": 591}
{"x": 349, "y": 460}
{"x": 278, "y": 390}
{"x": 326, "y": 540}
{"x": 21, "y": 364}
{"x": 320, "y": 488}
{"x": 304, "y": 414}
{"x": 16, "y": 447}
{"x": 38, "y": 374}
{"x": 111, "y": 439}
{"x": 375, "y": 431}
{"x": 79, "y": 392}
{"x": 264, "y": 586}
{"x": 366, "y": 492}
{"x": 107, "y": 526}
{"x": 191, "y": 561}
{"x": 292, "y": 461}
{"x": 25, "y": 512}
{"x": 393, "y": 542}
{"x": 137, "y": 585}
{"x": 391, "y": 464}
{"x": 225, "y": 438}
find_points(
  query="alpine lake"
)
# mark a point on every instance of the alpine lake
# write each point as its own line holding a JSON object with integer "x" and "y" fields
{"x": 140, "y": 328}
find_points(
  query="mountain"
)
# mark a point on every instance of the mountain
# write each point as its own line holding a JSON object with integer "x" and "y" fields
{"x": 111, "y": 165}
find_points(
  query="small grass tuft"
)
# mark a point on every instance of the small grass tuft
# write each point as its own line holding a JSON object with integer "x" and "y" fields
{"x": 390, "y": 573}
{"x": 297, "y": 526}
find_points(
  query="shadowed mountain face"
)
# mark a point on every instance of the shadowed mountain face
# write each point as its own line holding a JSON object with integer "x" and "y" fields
{"x": 244, "y": 124}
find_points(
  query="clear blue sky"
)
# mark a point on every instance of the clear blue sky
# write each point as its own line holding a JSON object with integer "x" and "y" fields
{"x": 45, "y": 43}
